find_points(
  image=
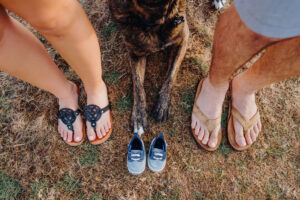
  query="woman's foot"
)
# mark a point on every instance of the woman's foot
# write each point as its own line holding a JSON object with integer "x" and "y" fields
{"x": 244, "y": 102}
{"x": 70, "y": 101}
{"x": 99, "y": 97}
{"x": 210, "y": 103}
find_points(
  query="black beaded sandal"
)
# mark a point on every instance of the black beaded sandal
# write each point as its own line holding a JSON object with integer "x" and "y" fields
{"x": 68, "y": 117}
{"x": 92, "y": 114}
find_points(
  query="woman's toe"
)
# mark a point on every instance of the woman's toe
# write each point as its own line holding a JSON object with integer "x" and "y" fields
{"x": 103, "y": 130}
{"x": 77, "y": 136}
{"x": 99, "y": 134}
{"x": 91, "y": 134}
{"x": 69, "y": 136}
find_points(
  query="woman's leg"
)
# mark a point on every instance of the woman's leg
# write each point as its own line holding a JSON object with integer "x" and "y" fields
{"x": 23, "y": 56}
{"x": 279, "y": 62}
{"x": 66, "y": 26}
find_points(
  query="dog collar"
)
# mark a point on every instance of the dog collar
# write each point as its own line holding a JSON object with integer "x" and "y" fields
{"x": 175, "y": 21}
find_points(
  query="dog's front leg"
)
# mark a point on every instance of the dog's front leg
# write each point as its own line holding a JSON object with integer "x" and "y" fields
{"x": 162, "y": 107}
{"x": 139, "y": 114}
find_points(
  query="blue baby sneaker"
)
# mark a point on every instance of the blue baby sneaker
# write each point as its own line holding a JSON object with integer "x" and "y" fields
{"x": 136, "y": 157}
{"x": 157, "y": 156}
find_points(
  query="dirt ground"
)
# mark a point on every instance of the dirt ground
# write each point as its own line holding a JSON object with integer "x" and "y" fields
{"x": 36, "y": 164}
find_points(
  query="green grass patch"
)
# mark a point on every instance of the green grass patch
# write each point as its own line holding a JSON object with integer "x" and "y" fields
{"x": 69, "y": 185}
{"x": 9, "y": 187}
{"x": 108, "y": 29}
{"x": 97, "y": 196}
{"x": 39, "y": 189}
{"x": 198, "y": 62}
{"x": 224, "y": 118}
{"x": 111, "y": 77}
{"x": 187, "y": 100}
{"x": 89, "y": 156}
{"x": 276, "y": 151}
{"x": 224, "y": 149}
{"x": 199, "y": 196}
{"x": 125, "y": 103}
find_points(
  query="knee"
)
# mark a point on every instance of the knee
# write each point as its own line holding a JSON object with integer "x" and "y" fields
{"x": 53, "y": 21}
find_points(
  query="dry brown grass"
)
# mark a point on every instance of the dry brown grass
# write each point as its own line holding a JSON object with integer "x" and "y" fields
{"x": 32, "y": 152}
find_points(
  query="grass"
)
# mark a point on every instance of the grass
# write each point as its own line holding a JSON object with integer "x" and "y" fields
{"x": 198, "y": 62}
{"x": 199, "y": 196}
{"x": 187, "y": 100}
{"x": 124, "y": 103}
{"x": 10, "y": 187}
{"x": 69, "y": 185}
{"x": 47, "y": 168}
{"x": 96, "y": 196}
{"x": 112, "y": 77}
{"x": 108, "y": 29}
{"x": 89, "y": 156}
{"x": 39, "y": 189}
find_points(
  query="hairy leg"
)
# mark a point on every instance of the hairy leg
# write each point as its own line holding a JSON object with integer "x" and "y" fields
{"x": 280, "y": 61}
{"x": 66, "y": 26}
{"x": 234, "y": 45}
{"x": 23, "y": 56}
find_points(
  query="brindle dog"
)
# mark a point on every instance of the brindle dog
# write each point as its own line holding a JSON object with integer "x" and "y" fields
{"x": 149, "y": 26}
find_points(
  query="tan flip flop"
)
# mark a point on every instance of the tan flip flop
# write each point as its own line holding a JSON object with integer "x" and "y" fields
{"x": 246, "y": 124}
{"x": 211, "y": 124}
{"x": 92, "y": 114}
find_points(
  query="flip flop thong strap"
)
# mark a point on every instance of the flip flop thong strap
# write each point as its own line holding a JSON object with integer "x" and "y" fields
{"x": 68, "y": 117}
{"x": 210, "y": 124}
{"x": 93, "y": 113}
{"x": 241, "y": 119}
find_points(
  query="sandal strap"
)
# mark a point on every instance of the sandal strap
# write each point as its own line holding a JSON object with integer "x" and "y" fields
{"x": 93, "y": 113}
{"x": 210, "y": 124}
{"x": 68, "y": 116}
{"x": 246, "y": 124}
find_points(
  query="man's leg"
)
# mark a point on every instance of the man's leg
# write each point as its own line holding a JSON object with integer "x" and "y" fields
{"x": 234, "y": 45}
{"x": 66, "y": 26}
{"x": 280, "y": 61}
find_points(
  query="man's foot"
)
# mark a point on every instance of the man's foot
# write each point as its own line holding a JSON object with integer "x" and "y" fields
{"x": 71, "y": 101}
{"x": 210, "y": 103}
{"x": 244, "y": 102}
{"x": 99, "y": 97}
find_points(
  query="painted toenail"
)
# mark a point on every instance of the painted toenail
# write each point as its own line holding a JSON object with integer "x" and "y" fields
{"x": 91, "y": 137}
{"x": 77, "y": 138}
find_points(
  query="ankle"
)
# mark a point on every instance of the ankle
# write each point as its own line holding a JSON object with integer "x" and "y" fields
{"x": 95, "y": 89}
{"x": 241, "y": 88}
{"x": 70, "y": 97}
{"x": 220, "y": 88}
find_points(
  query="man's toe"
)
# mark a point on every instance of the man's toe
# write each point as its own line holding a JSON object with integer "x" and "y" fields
{"x": 248, "y": 137}
{"x": 197, "y": 128}
{"x": 213, "y": 140}
{"x": 253, "y": 134}
{"x": 201, "y": 134}
{"x": 205, "y": 137}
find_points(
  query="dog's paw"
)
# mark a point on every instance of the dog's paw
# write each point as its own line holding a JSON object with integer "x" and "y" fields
{"x": 219, "y": 4}
{"x": 162, "y": 108}
{"x": 139, "y": 119}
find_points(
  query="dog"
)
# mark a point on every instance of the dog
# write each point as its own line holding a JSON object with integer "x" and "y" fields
{"x": 149, "y": 26}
